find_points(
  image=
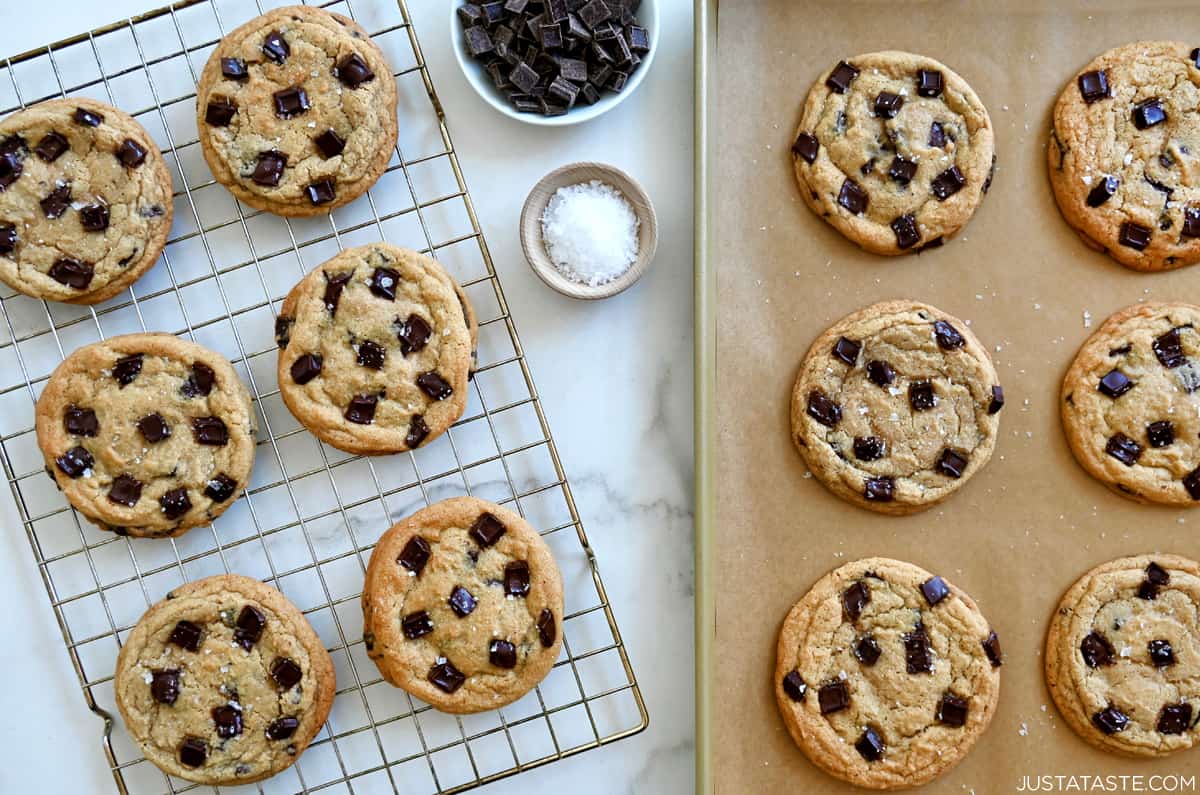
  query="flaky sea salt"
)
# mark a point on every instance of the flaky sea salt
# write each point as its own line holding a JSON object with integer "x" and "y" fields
{"x": 591, "y": 232}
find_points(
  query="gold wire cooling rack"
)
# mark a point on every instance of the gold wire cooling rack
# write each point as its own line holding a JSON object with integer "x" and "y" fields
{"x": 311, "y": 514}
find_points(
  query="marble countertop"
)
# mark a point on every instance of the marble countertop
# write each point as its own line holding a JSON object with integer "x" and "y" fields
{"x": 615, "y": 379}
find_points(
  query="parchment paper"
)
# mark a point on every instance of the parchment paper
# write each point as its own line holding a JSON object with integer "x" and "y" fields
{"x": 1032, "y": 521}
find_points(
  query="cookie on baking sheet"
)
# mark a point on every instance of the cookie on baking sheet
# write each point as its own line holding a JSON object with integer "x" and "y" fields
{"x": 463, "y": 606}
{"x": 376, "y": 346}
{"x": 1131, "y": 403}
{"x": 297, "y": 111}
{"x": 1123, "y": 153}
{"x": 85, "y": 201}
{"x": 894, "y": 150}
{"x": 886, "y": 675}
{"x": 1123, "y": 655}
{"x": 224, "y": 681}
{"x": 895, "y": 407}
{"x": 147, "y": 434}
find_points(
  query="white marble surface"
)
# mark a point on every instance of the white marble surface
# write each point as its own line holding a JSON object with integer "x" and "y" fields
{"x": 615, "y": 381}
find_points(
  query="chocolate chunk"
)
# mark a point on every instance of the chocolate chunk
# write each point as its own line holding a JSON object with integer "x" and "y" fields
{"x": 415, "y": 554}
{"x": 948, "y": 183}
{"x": 524, "y": 77}
{"x": 57, "y": 201}
{"x": 80, "y": 422}
{"x": 951, "y": 464}
{"x": 934, "y": 590}
{"x": 8, "y": 239}
{"x": 333, "y": 289}
{"x": 867, "y": 650}
{"x": 937, "y": 135}
{"x": 72, "y": 273}
{"x": 434, "y": 385}
{"x": 947, "y": 336}
{"x": 234, "y": 69}
{"x": 901, "y": 170}
{"x": 1157, "y": 575}
{"x": 413, "y": 334}
{"x": 75, "y": 462}
{"x": 417, "y": 431}
{"x": 275, "y": 47}
{"x": 868, "y": 448}
{"x": 154, "y": 428}
{"x": 383, "y": 283}
{"x": 516, "y": 578}
{"x": 290, "y": 102}
{"x": 921, "y": 395}
{"x": 1110, "y": 720}
{"x": 282, "y": 728}
{"x": 487, "y": 530}
{"x": 186, "y": 635}
{"x": 833, "y": 697}
{"x": 880, "y": 373}
{"x": 87, "y": 118}
{"x": 286, "y": 672}
{"x": 479, "y": 42}
{"x": 228, "y": 719}
{"x": 462, "y": 602}
{"x": 94, "y": 217}
{"x": 192, "y": 752}
{"x": 250, "y": 624}
{"x": 1169, "y": 350}
{"x": 220, "y": 112}
{"x": 853, "y": 197}
{"x": 321, "y": 192}
{"x": 592, "y": 13}
{"x": 1093, "y": 86}
{"x": 269, "y": 169}
{"x": 220, "y": 488}
{"x": 1105, "y": 189}
{"x": 879, "y": 489}
{"x": 806, "y": 146}
{"x": 445, "y": 677}
{"x": 854, "y": 599}
{"x": 991, "y": 647}
{"x": 210, "y": 431}
{"x": 1191, "y": 222}
{"x": 330, "y": 143}
{"x": 1115, "y": 383}
{"x": 1161, "y": 433}
{"x": 905, "y": 228}
{"x": 952, "y": 710}
{"x": 1191, "y": 482}
{"x": 361, "y": 410}
{"x": 840, "y": 78}
{"x": 283, "y": 331}
{"x": 353, "y": 71}
{"x": 306, "y": 368}
{"x": 1134, "y": 236}
{"x": 1161, "y": 653}
{"x": 175, "y": 503}
{"x": 823, "y": 410}
{"x": 502, "y": 654}
{"x": 1148, "y": 113}
{"x": 547, "y": 630}
{"x": 164, "y": 685}
{"x": 1175, "y": 718}
{"x": 371, "y": 355}
{"x": 1096, "y": 650}
{"x": 847, "y": 350}
{"x": 51, "y": 147}
{"x": 1148, "y": 591}
{"x": 419, "y": 623}
{"x": 126, "y": 490}
{"x": 131, "y": 153}
{"x": 200, "y": 382}
{"x": 1124, "y": 449}
{"x": 870, "y": 745}
{"x": 887, "y": 104}
{"x": 11, "y": 166}
{"x": 929, "y": 83}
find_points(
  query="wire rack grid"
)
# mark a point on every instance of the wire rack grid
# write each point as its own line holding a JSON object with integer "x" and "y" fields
{"x": 311, "y": 514}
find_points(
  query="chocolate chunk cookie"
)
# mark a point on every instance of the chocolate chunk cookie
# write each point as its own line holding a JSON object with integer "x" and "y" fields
{"x": 894, "y": 150}
{"x": 85, "y": 201}
{"x": 297, "y": 111}
{"x": 147, "y": 434}
{"x": 1131, "y": 403}
{"x": 886, "y": 674}
{"x": 223, "y": 682}
{"x": 1124, "y": 154}
{"x": 463, "y": 606}
{"x": 1123, "y": 655}
{"x": 896, "y": 406}
{"x": 376, "y": 347}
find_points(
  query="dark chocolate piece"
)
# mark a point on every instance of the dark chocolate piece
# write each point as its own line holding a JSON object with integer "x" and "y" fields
{"x": 879, "y": 489}
{"x": 329, "y": 143}
{"x": 432, "y": 384}
{"x": 1161, "y": 433}
{"x": 854, "y": 599}
{"x": 220, "y": 488}
{"x": 822, "y": 409}
{"x": 547, "y": 630}
{"x": 1110, "y": 720}
{"x": 200, "y": 382}
{"x": 286, "y": 673}
{"x": 126, "y": 490}
{"x": 951, "y": 464}
{"x": 72, "y": 272}
{"x": 250, "y": 625}
{"x": 417, "y": 431}
{"x": 1097, "y": 651}
{"x": 57, "y": 201}
{"x": 847, "y": 350}
{"x": 306, "y": 368}
{"x": 867, "y": 651}
{"x": 371, "y": 355}
{"x": 948, "y": 183}
{"x": 127, "y": 368}
{"x": 1134, "y": 236}
{"x": 1148, "y": 113}
{"x": 51, "y": 147}
{"x": 1093, "y": 86}
{"x": 413, "y": 333}
{"x": 154, "y": 428}
{"x": 937, "y": 135}
{"x": 833, "y": 697}
{"x": 234, "y": 69}
{"x": 186, "y": 635}
{"x": 416, "y": 625}
{"x": 210, "y": 431}
{"x": 947, "y": 336}
{"x": 1105, "y": 189}
{"x": 991, "y": 647}
{"x": 905, "y": 228}
{"x": 94, "y": 217}
{"x": 1191, "y": 222}
{"x": 934, "y": 590}
{"x": 1175, "y": 718}
{"x": 840, "y": 78}
{"x": 462, "y": 602}
{"x": 290, "y": 102}
{"x": 1115, "y": 383}
{"x": 997, "y": 401}
{"x": 1168, "y": 348}
{"x": 1161, "y": 653}
{"x": 220, "y": 112}
{"x": 164, "y": 685}
{"x": 952, "y": 710}
{"x": 921, "y": 395}
{"x": 8, "y": 238}
{"x": 487, "y": 530}
{"x": 516, "y": 578}
{"x": 929, "y": 83}
{"x": 275, "y": 47}
{"x": 853, "y": 197}
{"x": 361, "y": 410}
{"x": 87, "y": 118}
{"x": 75, "y": 462}
{"x": 353, "y": 71}
{"x": 282, "y": 728}
{"x": 918, "y": 658}
{"x": 887, "y": 104}
{"x": 415, "y": 554}
{"x": 880, "y": 373}
{"x": 901, "y": 170}
{"x": 80, "y": 422}
{"x": 445, "y": 677}
{"x": 131, "y": 153}
{"x": 868, "y": 448}
{"x": 870, "y": 745}
{"x": 333, "y": 289}
{"x": 383, "y": 283}
{"x": 228, "y": 719}
{"x": 192, "y": 752}
{"x": 1124, "y": 449}
{"x": 269, "y": 169}
{"x": 794, "y": 686}
{"x": 502, "y": 654}
{"x": 321, "y": 192}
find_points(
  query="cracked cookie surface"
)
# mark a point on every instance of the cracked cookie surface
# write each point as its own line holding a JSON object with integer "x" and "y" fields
{"x": 376, "y": 348}
{"x": 147, "y": 434}
{"x": 896, "y": 406}
{"x": 296, "y": 111}
{"x": 894, "y": 150}
{"x": 85, "y": 201}
{"x": 1124, "y": 154}
{"x": 463, "y": 606}
{"x": 1123, "y": 655}
{"x": 1131, "y": 403}
{"x": 224, "y": 681}
{"x": 886, "y": 675}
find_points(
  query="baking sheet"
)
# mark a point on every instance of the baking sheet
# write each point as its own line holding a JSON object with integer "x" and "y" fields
{"x": 1030, "y": 523}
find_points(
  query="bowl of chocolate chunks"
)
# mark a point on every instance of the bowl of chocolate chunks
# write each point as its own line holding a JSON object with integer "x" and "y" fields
{"x": 554, "y": 62}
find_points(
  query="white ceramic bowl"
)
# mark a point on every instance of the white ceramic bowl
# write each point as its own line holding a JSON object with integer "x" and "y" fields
{"x": 481, "y": 81}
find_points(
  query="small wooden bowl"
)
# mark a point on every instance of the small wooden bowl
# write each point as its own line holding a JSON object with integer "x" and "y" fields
{"x": 535, "y": 248}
